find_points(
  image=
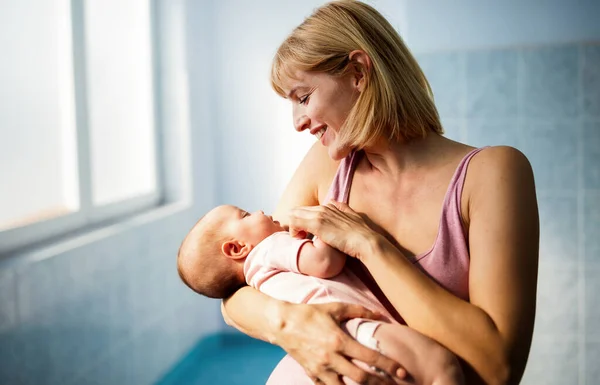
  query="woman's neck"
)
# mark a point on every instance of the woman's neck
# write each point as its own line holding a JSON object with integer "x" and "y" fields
{"x": 396, "y": 159}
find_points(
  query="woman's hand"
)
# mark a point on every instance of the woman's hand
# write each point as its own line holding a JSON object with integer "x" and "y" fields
{"x": 313, "y": 337}
{"x": 335, "y": 224}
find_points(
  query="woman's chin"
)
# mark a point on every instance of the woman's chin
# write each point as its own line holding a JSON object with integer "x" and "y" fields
{"x": 337, "y": 153}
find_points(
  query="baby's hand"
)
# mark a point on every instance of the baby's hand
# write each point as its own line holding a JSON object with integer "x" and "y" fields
{"x": 300, "y": 234}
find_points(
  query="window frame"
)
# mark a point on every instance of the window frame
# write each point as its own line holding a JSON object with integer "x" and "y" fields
{"x": 87, "y": 216}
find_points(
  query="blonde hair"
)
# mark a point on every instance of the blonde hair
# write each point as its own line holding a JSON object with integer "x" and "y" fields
{"x": 397, "y": 102}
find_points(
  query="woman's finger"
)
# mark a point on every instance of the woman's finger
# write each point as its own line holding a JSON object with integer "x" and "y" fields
{"x": 342, "y": 207}
{"x": 330, "y": 378}
{"x": 344, "y": 311}
{"x": 372, "y": 358}
{"x": 346, "y": 231}
{"x": 355, "y": 373}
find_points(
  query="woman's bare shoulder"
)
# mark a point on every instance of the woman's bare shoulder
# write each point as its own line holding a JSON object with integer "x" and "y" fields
{"x": 497, "y": 169}
{"x": 310, "y": 181}
{"x": 497, "y": 160}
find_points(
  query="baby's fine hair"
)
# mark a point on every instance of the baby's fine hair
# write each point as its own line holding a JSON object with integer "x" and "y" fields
{"x": 397, "y": 102}
{"x": 215, "y": 275}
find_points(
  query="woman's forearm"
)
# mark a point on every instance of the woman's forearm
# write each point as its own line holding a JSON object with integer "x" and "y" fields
{"x": 254, "y": 313}
{"x": 463, "y": 328}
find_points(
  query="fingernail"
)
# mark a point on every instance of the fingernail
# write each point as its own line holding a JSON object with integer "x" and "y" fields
{"x": 401, "y": 373}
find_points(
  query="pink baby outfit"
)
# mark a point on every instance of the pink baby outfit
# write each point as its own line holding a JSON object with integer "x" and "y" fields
{"x": 272, "y": 268}
{"x": 447, "y": 262}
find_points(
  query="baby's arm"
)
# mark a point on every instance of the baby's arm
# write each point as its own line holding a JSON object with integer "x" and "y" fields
{"x": 320, "y": 260}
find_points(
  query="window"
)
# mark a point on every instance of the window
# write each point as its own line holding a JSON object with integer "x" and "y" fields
{"x": 77, "y": 115}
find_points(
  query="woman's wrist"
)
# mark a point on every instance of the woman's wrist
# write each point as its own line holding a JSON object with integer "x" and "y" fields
{"x": 277, "y": 314}
{"x": 373, "y": 245}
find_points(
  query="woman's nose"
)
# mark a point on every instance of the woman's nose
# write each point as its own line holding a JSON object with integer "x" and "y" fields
{"x": 301, "y": 122}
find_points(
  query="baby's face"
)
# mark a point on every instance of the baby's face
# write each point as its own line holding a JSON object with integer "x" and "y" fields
{"x": 249, "y": 227}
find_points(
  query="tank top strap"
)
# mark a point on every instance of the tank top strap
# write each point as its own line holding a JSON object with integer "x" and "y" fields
{"x": 452, "y": 200}
{"x": 342, "y": 181}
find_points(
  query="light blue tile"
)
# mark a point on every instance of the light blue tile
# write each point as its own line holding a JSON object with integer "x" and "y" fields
{"x": 11, "y": 357}
{"x": 445, "y": 73}
{"x": 8, "y": 301}
{"x": 196, "y": 323}
{"x": 558, "y": 228}
{"x": 592, "y": 358}
{"x": 557, "y": 307}
{"x": 552, "y": 361}
{"x": 37, "y": 290}
{"x": 84, "y": 333}
{"x": 68, "y": 350}
{"x": 120, "y": 318}
{"x": 491, "y": 84}
{"x": 36, "y": 366}
{"x": 453, "y": 129}
{"x": 116, "y": 370}
{"x": 592, "y": 301}
{"x": 483, "y": 132}
{"x": 591, "y": 225}
{"x": 591, "y": 155}
{"x": 552, "y": 151}
{"x": 548, "y": 88}
{"x": 142, "y": 297}
{"x": 154, "y": 351}
{"x": 591, "y": 81}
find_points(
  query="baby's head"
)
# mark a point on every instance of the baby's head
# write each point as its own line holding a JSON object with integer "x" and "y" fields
{"x": 211, "y": 257}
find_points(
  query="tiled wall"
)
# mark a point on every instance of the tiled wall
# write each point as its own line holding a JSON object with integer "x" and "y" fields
{"x": 112, "y": 312}
{"x": 544, "y": 101}
{"x": 108, "y": 308}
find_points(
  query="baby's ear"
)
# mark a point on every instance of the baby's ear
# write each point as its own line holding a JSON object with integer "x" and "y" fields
{"x": 235, "y": 249}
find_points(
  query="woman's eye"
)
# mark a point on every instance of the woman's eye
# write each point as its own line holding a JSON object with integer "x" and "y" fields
{"x": 303, "y": 99}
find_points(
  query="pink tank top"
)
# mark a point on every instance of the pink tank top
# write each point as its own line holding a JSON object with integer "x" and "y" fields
{"x": 447, "y": 262}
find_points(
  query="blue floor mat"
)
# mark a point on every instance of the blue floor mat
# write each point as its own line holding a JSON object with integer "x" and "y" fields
{"x": 225, "y": 359}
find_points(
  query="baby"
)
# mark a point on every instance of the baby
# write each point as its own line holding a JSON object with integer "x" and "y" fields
{"x": 230, "y": 247}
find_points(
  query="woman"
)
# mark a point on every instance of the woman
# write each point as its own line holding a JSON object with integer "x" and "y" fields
{"x": 447, "y": 236}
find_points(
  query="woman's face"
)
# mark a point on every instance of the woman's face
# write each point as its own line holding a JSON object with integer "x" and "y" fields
{"x": 321, "y": 104}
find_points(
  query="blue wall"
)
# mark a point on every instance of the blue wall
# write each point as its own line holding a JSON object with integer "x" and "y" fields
{"x": 434, "y": 25}
{"x": 545, "y": 101}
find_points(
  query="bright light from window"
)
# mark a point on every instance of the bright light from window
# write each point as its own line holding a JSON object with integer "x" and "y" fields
{"x": 36, "y": 113}
{"x": 120, "y": 99}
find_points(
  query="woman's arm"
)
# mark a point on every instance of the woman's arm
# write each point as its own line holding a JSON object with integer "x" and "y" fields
{"x": 251, "y": 320}
{"x": 492, "y": 333}
{"x": 309, "y": 333}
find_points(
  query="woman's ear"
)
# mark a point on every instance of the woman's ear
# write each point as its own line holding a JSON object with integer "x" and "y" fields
{"x": 235, "y": 249}
{"x": 360, "y": 64}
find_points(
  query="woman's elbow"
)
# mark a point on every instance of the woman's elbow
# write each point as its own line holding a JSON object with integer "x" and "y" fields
{"x": 493, "y": 368}
{"x": 502, "y": 376}
{"x": 507, "y": 371}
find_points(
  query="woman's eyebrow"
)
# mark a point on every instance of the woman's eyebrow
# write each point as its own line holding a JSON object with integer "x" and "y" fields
{"x": 294, "y": 90}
